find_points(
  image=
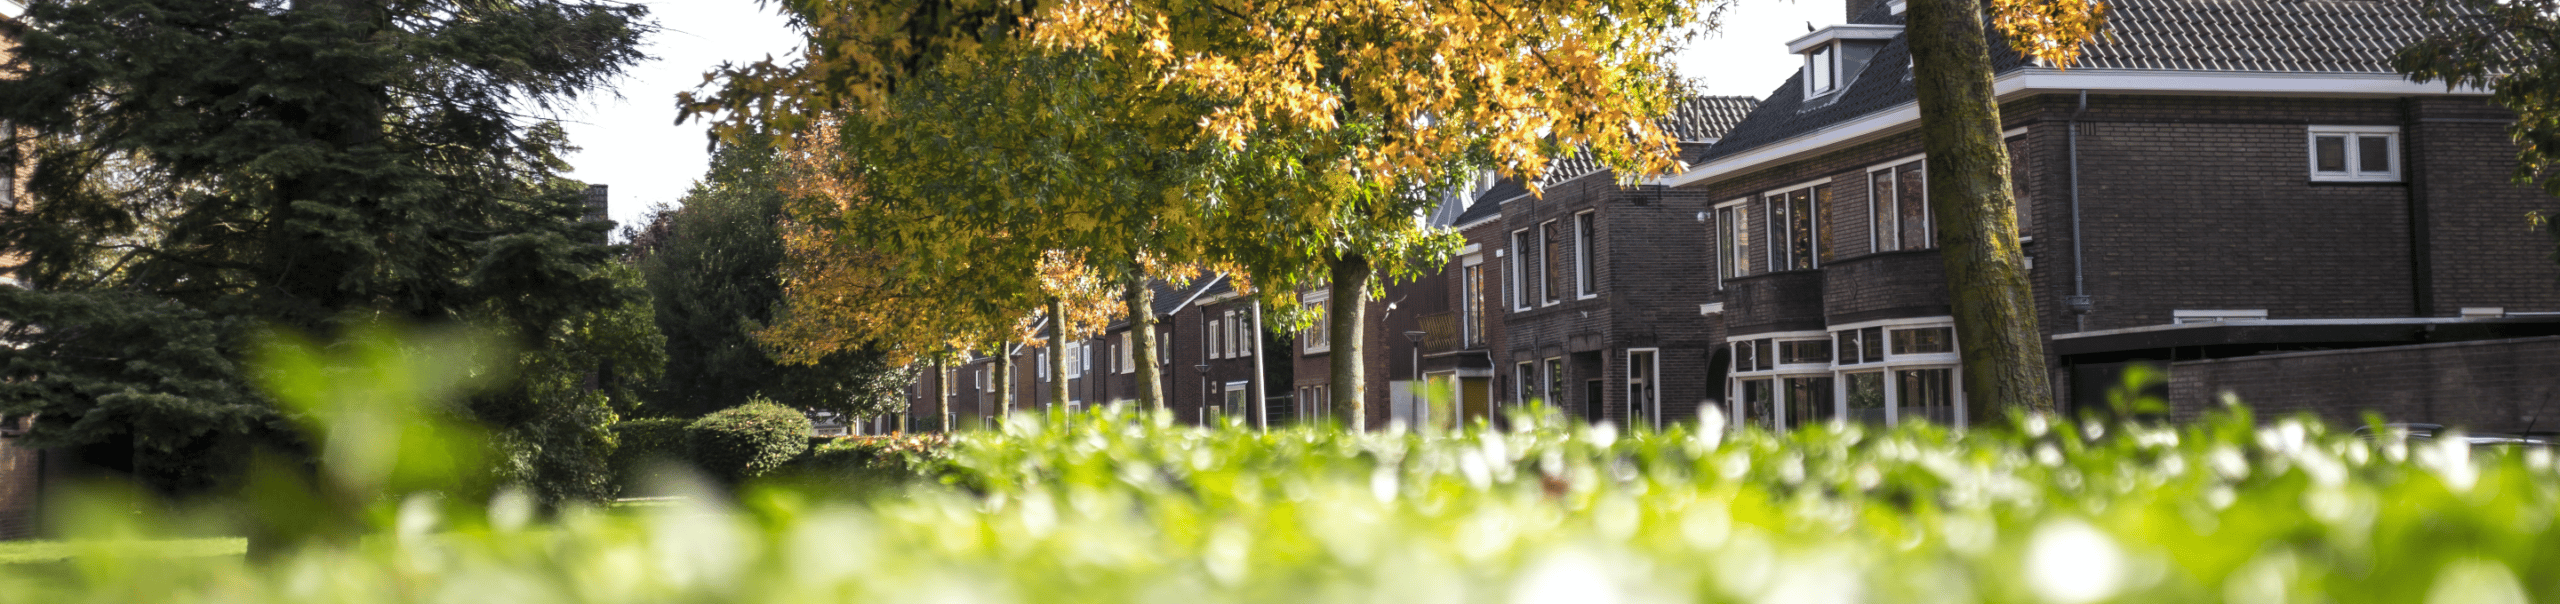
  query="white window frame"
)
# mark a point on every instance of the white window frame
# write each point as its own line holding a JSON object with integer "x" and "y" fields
{"x": 1547, "y": 294}
{"x": 1830, "y": 54}
{"x": 1216, "y": 332}
{"x": 1519, "y": 280}
{"x": 1248, "y": 334}
{"x": 1471, "y": 303}
{"x": 1075, "y": 356}
{"x": 1952, "y": 360}
{"x": 1586, "y": 281}
{"x": 1040, "y": 358}
{"x": 1928, "y": 215}
{"x": 1652, "y": 381}
{"x": 1128, "y": 353}
{"x": 1522, "y": 374}
{"x": 1775, "y": 244}
{"x": 2354, "y": 153}
{"x": 1733, "y": 253}
{"x": 1319, "y": 336}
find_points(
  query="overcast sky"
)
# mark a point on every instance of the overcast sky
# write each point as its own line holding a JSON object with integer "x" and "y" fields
{"x": 634, "y": 145}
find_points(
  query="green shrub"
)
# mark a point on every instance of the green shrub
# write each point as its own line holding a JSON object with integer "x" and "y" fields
{"x": 862, "y": 464}
{"x": 641, "y": 445}
{"x": 748, "y": 440}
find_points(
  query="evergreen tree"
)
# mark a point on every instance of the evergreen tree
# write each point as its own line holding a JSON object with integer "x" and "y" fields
{"x": 297, "y": 165}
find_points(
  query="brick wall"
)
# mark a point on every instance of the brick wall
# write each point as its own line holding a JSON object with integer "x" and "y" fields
{"x": 21, "y": 489}
{"x": 2491, "y": 385}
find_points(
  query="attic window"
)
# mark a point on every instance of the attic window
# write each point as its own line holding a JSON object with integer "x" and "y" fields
{"x": 1822, "y": 70}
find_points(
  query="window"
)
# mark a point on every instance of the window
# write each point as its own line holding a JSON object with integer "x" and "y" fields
{"x": 1925, "y": 394}
{"x": 1075, "y": 360}
{"x": 1318, "y": 335}
{"x": 1926, "y": 340}
{"x": 1754, "y": 355}
{"x": 1550, "y": 255}
{"x": 1247, "y": 334}
{"x": 1644, "y": 395}
{"x": 1798, "y": 352}
{"x": 1821, "y": 70}
{"x": 1235, "y": 329}
{"x": 8, "y": 165}
{"x": 1471, "y": 303}
{"x": 1042, "y": 360}
{"x": 1215, "y": 334}
{"x": 1519, "y": 266}
{"x": 1164, "y": 345}
{"x": 1733, "y": 239}
{"x": 1898, "y": 207}
{"x": 2355, "y": 153}
{"x": 1585, "y": 284}
{"x": 1796, "y": 226}
{"x": 1524, "y": 383}
{"x": 1866, "y": 398}
{"x": 1809, "y": 400}
{"x": 1128, "y": 354}
{"x": 1860, "y": 346}
{"x": 1555, "y": 382}
{"x": 1755, "y": 405}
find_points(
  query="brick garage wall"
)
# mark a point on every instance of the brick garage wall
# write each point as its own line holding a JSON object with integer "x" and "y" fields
{"x": 2206, "y": 203}
{"x": 1892, "y": 285}
{"x": 2490, "y": 385}
{"x": 2481, "y": 253}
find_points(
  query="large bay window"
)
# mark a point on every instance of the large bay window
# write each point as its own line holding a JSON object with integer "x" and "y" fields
{"x": 1879, "y": 372}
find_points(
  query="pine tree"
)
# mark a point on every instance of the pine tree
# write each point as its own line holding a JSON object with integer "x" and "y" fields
{"x": 297, "y": 166}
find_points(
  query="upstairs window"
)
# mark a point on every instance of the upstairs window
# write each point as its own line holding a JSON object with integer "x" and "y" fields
{"x": 1318, "y": 337}
{"x": 1521, "y": 245}
{"x": 1551, "y": 254}
{"x": 1471, "y": 302}
{"x": 1796, "y": 226}
{"x": 1585, "y": 228}
{"x": 1821, "y": 70}
{"x": 1898, "y": 207}
{"x": 2355, "y": 153}
{"x": 1733, "y": 240}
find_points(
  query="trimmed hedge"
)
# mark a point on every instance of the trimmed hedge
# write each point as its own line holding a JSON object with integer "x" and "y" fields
{"x": 748, "y": 440}
{"x": 857, "y": 464}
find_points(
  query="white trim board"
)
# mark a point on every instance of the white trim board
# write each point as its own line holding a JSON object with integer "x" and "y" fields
{"x": 2040, "y": 79}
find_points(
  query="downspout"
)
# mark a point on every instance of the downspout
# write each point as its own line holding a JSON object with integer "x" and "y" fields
{"x": 2422, "y": 294}
{"x": 2079, "y": 301}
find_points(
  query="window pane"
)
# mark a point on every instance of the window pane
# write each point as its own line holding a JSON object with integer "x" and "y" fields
{"x": 1926, "y": 394}
{"x": 1555, "y": 382}
{"x": 2329, "y": 153}
{"x": 1756, "y": 406}
{"x": 1583, "y": 280}
{"x": 1724, "y": 243}
{"x": 1808, "y": 400}
{"x": 1923, "y": 341}
{"x": 1847, "y": 348}
{"x": 1880, "y": 212}
{"x": 1872, "y": 340}
{"x": 1767, "y": 358}
{"x": 1804, "y": 351}
{"x": 1800, "y": 234}
{"x": 2373, "y": 154}
{"x": 1524, "y": 383}
{"x": 1866, "y": 398}
{"x": 1821, "y": 72}
{"x": 1552, "y": 255}
{"x": 1911, "y": 193}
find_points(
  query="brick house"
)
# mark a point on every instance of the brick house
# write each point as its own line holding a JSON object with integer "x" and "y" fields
{"x": 1100, "y": 368}
{"x": 2216, "y": 179}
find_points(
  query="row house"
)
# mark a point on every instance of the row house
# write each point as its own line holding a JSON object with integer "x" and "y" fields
{"x": 2240, "y": 191}
{"x": 2215, "y": 180}
{"x": 1211, "y": 355}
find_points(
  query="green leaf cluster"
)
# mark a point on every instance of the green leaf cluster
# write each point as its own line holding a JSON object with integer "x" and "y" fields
{"x": 748, "y": 440}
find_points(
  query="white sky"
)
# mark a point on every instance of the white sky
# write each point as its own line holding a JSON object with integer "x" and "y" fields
{"x": 634, "y": 145}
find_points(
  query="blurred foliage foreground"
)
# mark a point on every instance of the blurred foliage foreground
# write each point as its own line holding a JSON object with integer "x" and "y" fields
{"x": 1111, "y": 508}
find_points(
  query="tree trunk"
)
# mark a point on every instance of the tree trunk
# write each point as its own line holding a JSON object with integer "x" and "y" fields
{"x": 942, "y": 373}
{"x": 1000, "y": 383}
{"x": 2004, "y": 365}
{"x": 1142, "y": 340}
{"x": 1344, "y": 318}
{"x": 1057, "y": 355}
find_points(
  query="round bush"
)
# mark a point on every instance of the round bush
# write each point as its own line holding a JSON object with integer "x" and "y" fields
{"x": 748, "y": 440}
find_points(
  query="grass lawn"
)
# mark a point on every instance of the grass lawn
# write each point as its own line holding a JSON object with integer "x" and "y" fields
{"x": 37, "y": 552}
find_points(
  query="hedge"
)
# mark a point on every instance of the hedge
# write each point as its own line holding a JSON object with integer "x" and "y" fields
{"x": 643, "y": 445}
{"x": 748, "y": 440}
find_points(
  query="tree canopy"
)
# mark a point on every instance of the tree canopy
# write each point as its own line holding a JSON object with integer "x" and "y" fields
{"x": 218, "y": 167}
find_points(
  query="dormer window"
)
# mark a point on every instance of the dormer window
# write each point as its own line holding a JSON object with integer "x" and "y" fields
{"x": 1822, "y": 70}
{"x": 1833, "y": 56}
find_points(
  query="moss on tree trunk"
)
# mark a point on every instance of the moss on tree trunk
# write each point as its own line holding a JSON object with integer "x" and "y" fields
{"x": 1344, "y": 317}
{"x": 2004, "y": 366}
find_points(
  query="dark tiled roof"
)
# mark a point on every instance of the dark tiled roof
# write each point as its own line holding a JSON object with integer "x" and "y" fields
{"x": 1698, "y": 119}
{"x": 2323, "y": 36}
{"x": 1489, "y": 203}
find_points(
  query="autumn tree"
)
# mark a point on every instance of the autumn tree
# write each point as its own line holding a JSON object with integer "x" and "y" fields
{"x": 2511, "y": 48}
{"x": 1285, "y": 138}
{"x": 1994, "y": 305}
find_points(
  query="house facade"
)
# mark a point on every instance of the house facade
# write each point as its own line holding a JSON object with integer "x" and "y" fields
{"x": 2214, "y": 180}
{"x": 2241, "y": 192}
